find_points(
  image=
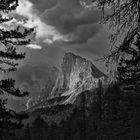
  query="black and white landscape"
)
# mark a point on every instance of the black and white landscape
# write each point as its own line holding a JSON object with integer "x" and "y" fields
{"x": 69, "y": 70}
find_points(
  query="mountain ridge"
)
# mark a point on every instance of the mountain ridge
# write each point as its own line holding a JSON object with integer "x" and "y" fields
{"x": 77, "y": 75}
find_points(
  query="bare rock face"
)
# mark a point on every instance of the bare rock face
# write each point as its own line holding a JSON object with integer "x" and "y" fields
{"x": 77, "y": 75}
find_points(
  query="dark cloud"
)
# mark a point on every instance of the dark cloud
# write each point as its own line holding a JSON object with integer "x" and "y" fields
{"x": 94, "y": 45}
{"x": 69, "y": 18}
{"x": 42, "y": 5}
{"x": 85, "y": 32}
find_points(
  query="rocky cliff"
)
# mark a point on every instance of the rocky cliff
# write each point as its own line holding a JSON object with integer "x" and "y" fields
{"x": 77, "y": 75}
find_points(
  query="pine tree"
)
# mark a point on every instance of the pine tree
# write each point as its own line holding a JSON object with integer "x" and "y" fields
{"x": 129, "y": 64}
{"x": 124, "y": 22}
{"x": 10, "y": 40}
{"x": 129, "y": 68}
{"x": 39, "y": 129}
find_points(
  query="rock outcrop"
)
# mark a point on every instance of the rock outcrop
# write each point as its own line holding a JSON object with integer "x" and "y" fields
{"x": 77, "y": 75}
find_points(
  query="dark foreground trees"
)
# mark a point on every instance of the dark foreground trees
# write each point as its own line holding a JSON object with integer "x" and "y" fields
{"x": 116, "y": 118}
{"x": 123, "y": 18}
{"x": 10, "y": 40}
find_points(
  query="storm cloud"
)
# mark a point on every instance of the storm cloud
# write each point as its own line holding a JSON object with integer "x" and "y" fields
{"x": 64, "y": 24}
{"x": 70, "y": 19}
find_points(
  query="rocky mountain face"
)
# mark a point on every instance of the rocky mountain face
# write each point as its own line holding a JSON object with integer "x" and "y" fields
{"x": 76, "y": 76}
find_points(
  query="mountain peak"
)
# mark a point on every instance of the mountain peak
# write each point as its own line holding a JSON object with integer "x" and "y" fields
{"x": 70, "y": 59}
{"x": 77, "y": 75}
{"x": 70, "y": 55}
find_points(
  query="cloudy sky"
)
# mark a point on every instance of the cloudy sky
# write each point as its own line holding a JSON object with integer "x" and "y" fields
{"x": 60, "y": 26}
